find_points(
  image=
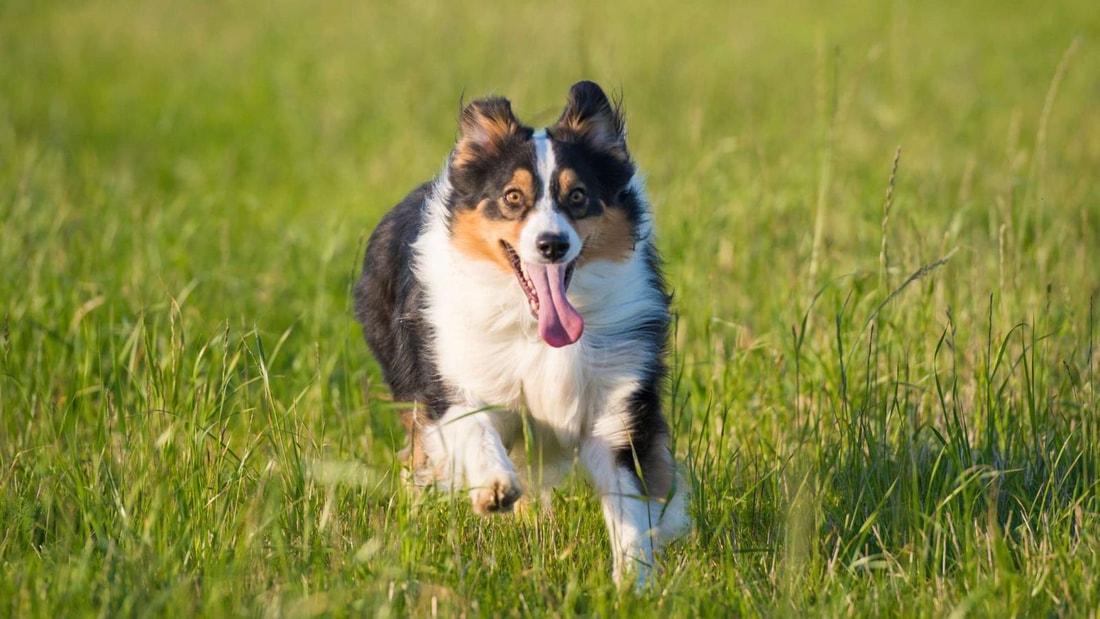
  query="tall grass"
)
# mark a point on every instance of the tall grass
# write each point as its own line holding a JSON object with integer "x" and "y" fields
{"x": 885, "y": 379}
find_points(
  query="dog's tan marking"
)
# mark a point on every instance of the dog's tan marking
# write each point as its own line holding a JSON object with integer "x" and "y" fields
{"x": 602, "y": 130}
{"x": 484, "y": 128}
{"x": 609, "y": 236}
{"x": 412, "y": 455}
{"x": 523, "y": 180}
{"x": 567, "y": 180}
{"x": 479, "y": 237}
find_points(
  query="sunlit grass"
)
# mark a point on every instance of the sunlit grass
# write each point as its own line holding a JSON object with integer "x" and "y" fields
{"x": 885, "y": 384}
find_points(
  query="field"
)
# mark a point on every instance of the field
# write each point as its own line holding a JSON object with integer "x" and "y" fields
{"x": 881, "y": 222}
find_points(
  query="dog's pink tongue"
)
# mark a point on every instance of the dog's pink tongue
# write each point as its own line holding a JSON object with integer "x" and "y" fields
{"x": 560, "y": 324}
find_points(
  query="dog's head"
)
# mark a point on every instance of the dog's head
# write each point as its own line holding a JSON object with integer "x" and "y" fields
{"x": 543, "y": 204}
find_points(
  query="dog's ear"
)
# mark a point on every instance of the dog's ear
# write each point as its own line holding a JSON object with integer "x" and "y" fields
{"x": 589, "y": 117}
{"x": 485, "y": 127}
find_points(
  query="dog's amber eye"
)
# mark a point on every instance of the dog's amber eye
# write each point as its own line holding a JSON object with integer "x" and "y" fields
{"x": 513, "y": 197}
{"x": 577, "y": 196}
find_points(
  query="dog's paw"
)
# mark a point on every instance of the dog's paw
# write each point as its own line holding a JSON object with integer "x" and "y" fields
{"x": 498, "y": 494}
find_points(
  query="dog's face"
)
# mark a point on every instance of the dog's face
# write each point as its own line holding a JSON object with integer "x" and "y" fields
{"x": 543, "y": 204}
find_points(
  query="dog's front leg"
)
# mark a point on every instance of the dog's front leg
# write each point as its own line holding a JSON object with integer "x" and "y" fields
{"x": 466, "y": 452}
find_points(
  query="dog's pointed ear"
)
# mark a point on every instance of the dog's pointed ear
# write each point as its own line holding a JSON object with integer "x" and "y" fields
{"x": 591, "y": 118}
{"x": 485, "y": 127}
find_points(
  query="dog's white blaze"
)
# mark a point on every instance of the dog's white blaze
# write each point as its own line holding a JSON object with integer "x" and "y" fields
{"x": 546, "y": 220}
{"x": 545, "y": 217}
{"x": 545, "y": 159}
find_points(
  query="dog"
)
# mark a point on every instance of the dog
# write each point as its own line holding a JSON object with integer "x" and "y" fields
{"x": 518, "y": 302}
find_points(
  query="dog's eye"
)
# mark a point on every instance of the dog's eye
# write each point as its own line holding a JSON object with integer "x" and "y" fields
{"x": 577, "y": 196}
{"x": 513, "y": 197}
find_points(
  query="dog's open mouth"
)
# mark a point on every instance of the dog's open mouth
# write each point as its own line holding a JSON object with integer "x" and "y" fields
{"x": 545, "y": 285}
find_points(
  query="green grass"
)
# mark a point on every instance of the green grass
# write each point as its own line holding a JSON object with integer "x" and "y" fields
{"x": 886, "y": 405}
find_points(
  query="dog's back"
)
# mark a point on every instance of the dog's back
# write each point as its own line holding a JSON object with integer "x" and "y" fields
{"x": 388, "y": 303}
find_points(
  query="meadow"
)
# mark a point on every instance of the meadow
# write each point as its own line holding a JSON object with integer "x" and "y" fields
{"x": 881, "y": 222}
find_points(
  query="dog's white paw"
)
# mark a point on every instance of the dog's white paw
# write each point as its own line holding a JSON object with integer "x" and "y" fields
{"x": 496, "y": 493}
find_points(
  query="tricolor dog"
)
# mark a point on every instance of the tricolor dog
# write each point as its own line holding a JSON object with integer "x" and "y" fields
{"x": 517, "y": 302}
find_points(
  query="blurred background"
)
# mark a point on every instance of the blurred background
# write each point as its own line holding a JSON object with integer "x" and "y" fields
{"x": 285, "y": 121}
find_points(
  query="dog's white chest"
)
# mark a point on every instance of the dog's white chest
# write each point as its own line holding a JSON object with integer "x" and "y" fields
{"x": 512, "y": 368}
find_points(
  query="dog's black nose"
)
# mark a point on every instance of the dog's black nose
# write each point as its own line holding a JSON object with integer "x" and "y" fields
{"x": 552, "y": 246}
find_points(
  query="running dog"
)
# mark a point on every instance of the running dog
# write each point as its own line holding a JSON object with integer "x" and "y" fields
{"x": 520, "y": 295}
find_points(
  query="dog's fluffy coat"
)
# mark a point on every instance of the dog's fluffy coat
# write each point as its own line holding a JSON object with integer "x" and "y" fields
{"x": 522, "y": 285}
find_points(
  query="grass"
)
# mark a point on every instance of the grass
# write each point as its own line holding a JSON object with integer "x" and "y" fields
{"x": 886, "y": 381}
